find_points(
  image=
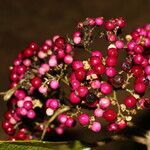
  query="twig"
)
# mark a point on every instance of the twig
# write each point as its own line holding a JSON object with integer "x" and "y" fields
{"x": 118, "y": 105}
{"x": 58, "y": 112}
{"x": 7, "y": 95}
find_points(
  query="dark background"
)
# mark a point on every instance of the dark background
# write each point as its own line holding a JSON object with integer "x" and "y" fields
{"x": 22, "y": 21}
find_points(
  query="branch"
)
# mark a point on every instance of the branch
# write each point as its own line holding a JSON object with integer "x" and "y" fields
{"x": 58, "y": 112}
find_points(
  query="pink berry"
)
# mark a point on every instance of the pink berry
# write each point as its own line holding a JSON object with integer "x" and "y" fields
{"x": 20, "y": 94}
{"x": 77, "y": 40}
{"x": 99, "y": 21}
{"x": 119, "y": 44}
{"x": 138, "y": 59}
{"x": 147, "y": 70}
{"x": 62, "y": 118}
{"x": 20, "y": 103}
{"x": 104, "y": 103}
{"x": 28, "y": 105}
{"x": 98, "y": 112}
{"x": 95, "y": 84}
{"x": 77, "y": 64}
{"x": 31, "y": 114}
{"x": 75, "y": 84}
{"x": 82, "y": 91}
{"x": 113, "y": 127}
{"x": 41, "y": 54}
{"x": 84, "y": 119}
{"x": 74, "y": 99}
{"x": 52, "y": 103}
{"x": 41, "y": 71}
{"x": 69, "y": 122}
{"x": 96, "y": 126}
{"x": 111, "y": 72}
{"x": 54, "y": 84}
{"x": 97, "y": 53}
{"x": 68, "y": 59}
{"x": 43, "y": 89}
{"x": 106, "y": 88}
{"x": 59, "y": 130}
{"x": 53, "y": 61}
{"x": 27, "y": 62}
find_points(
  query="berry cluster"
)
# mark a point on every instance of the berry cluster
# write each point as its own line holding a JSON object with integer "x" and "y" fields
{"x": 39, "y": 101}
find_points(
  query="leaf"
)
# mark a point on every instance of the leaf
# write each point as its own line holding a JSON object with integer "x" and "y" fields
{"x": 39, "y": 145}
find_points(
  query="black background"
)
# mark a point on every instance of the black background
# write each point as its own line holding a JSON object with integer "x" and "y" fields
{"x": 22, "y": 21}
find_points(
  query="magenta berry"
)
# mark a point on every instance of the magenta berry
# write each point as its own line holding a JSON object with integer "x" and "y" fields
{"x": 84, "y": 119}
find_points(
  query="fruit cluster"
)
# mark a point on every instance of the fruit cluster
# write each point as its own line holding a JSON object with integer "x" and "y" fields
{"x": 51, "y": 90}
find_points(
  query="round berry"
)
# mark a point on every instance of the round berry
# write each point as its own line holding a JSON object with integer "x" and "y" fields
{"x": 110, "y": 115}
{"x": 130, "y": 101}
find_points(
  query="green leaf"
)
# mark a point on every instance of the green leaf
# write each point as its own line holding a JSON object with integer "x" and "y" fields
{"x": 37, "y": 145}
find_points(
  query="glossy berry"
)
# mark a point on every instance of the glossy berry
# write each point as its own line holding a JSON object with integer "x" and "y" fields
{"x": 130, "y": 101}
{"x": 106, "y": 88}
{"x": 82, "y": 91}
{"x": 96, "y": 126}
{"x": 140, "y": 87}
{"x": 80, "y": 74}
{"x": 84, "y": 119}
{"x": 74, "y": 99}
{"x": 111, "y": 61}
{"x": 109, "y": 115}
{"x": 109, "y": 26}
{"x": 99, "y": 68}
{"x": 137, "y": 71}
{"x": 36, "y": 82}
{"x": 104, "y": 103}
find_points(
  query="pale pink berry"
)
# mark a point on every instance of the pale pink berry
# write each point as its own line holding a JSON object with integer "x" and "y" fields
{"x": 96, "y": 126}
{"x": 49, "y": 42}
{"x": 77, "y": 40}
{"x": 20, "y": 103}
{"x": 28, "y": 98}
{"x": 55, "y": 37}
{"x": 98, "y": 112}
{"x": 119, "y": 44}
{"x": 104, "y": 103}
{"x": 68, "y": 59}
{"x": 95, "y": 84}
{"x": 54, "y": 84}
{"x": 41, "y": 54}
{"x": 49, "y": 112}
{"x": 46, "y": 67}
{"x": 53, "y": 61}
{"x": 27, "y": 62}
{"x": 12, "y": 120}
{"x": 41, "y": 71}
{"x": 43, "y": 89}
